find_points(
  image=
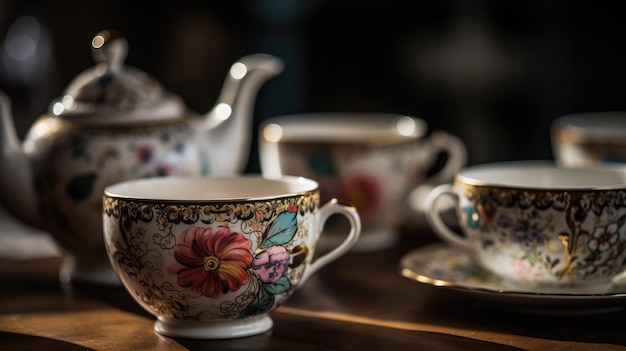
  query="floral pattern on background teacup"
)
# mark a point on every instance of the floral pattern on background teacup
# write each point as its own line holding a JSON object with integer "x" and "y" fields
{"x": 566, "y": 237}
{"x": 373, "y": 179}
{"x": 247, "y": 258}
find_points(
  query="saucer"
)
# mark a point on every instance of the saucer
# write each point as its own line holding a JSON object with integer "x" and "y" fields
{"x": 450, "y": 268}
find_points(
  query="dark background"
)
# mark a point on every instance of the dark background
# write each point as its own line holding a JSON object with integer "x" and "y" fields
{"x": 496, "y": 73}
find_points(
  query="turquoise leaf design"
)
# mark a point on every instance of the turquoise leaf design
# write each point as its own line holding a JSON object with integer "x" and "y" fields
{"x": 81, "y": 186}
{"x": 320, "y": 164}
{"x": 473, "y": 218}
{"x": 282, "y": 230}
{"x": 278, "y": 287}
{"x": 263, "y": 303}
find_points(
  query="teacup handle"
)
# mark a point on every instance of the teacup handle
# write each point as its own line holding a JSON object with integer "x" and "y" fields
{"x": 330, "y": 208}
{"x": 449, "y": 144}
{"x": 434, "y": 219}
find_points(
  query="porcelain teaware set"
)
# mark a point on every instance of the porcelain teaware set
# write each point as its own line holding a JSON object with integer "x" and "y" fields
{"x": 138, "y": 189}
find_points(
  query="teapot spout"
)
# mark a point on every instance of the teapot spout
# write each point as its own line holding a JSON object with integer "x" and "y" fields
{"x": 17, "y": 193}
{"x": 229, "y": 123}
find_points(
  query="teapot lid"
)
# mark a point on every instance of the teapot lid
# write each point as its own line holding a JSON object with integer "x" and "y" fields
{"x": 112, "y": 93}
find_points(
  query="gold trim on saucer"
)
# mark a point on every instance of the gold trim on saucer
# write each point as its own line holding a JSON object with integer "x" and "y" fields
{"x": 425, "y": 263}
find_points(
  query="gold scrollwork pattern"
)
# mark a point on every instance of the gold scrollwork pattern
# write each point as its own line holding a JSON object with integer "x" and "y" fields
{"x": 140, "y": 254}
{"x": 563, "y": 233}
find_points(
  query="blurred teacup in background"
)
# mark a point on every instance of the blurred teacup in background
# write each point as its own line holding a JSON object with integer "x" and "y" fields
{"x": 589, "y": 138}
{"x": 211, "y": 257}
{"x": 540, "y": 227}
{"x": 371, "y": 160}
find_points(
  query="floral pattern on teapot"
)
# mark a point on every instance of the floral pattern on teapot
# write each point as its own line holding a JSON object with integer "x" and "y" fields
{"x": 170, "y": 154}
{"x": 70, "y": 188}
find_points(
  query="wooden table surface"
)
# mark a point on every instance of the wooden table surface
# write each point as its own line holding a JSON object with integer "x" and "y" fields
{"x": 359, "y": 302}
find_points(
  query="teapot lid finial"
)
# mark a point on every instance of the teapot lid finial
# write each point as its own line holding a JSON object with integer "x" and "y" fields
{"x": 115, "y": 93}
{"x": 110, "y": 48}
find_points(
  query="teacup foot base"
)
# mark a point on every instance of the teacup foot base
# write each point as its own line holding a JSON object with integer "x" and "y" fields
{"x": 215, "y": 330}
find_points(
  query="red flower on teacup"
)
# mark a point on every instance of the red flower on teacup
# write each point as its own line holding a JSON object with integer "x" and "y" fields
{"x": 271, "y": 264}
{"x": 213, "y": 262}
{"x": 145, "y": 153}
{"x": 363, "y": 191}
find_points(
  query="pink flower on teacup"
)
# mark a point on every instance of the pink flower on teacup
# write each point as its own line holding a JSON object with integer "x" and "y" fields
{"x": 524, "y": 269}
{"x": 271, "y": 264}
{"x": 213, "y": 262}
{"x": 604, "y": 237}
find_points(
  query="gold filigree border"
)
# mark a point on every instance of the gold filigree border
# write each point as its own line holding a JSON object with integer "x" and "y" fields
{"x": 209, "y": 211}
{"x": 595, "y": 200}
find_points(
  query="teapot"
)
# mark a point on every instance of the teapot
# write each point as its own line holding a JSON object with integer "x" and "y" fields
{"x": 115, "y": 123}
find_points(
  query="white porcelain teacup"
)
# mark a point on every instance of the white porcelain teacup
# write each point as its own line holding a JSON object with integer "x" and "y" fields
{"x": 540, "y": 226}
{"x": 211, "y": 257}
{"x": 589, "y": 138}
{"x": 371, "y": 160}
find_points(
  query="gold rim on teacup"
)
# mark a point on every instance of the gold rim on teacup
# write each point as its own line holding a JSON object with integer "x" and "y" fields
{"x": 487, "y": 174}
{"x": 130, "y": 189}
{"x": 603, "y": 128}
{"x": 344, "y": 128}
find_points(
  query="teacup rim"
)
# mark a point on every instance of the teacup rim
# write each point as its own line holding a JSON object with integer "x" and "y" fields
{"x": 310, "y": 185}
{"x": 467, "y": 175}
{"x": 379, "y": 119}
{"x": 598, "y": 126}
